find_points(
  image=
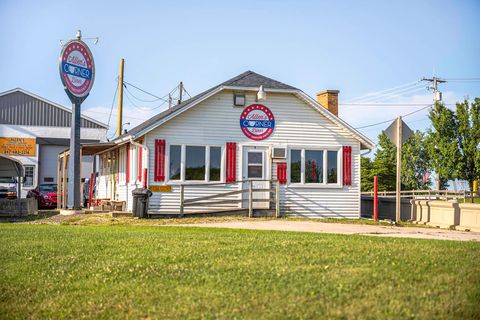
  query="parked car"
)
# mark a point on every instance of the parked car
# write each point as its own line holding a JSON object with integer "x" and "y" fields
{"x": 8, "y": 188}
{"x": 46, "y": 194}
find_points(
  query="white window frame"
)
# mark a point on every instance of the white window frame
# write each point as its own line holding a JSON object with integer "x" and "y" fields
{"x": 262, "y": 165}
{"x": 183, "y": 154}
{"x": 323, "y": 184}
{"x": 33, "y": 175}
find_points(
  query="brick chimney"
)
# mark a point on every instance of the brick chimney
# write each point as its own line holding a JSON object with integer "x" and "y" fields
{"x": 329, "y": 99}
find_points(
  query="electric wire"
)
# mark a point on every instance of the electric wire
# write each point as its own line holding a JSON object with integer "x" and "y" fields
{"x": 394, "y": 94}
{"x": 372, "y": 94}
{"x": 403, "y": 116}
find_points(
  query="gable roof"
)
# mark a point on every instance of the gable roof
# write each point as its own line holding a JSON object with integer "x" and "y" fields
{"x": 52, "y": 104}
{"x": 248, "y": 80}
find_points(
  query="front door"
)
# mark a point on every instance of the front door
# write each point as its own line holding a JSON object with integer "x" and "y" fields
{"x": 255, "y": 168}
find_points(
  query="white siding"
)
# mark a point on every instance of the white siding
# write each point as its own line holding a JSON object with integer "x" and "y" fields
{"x": 215, "y": 121}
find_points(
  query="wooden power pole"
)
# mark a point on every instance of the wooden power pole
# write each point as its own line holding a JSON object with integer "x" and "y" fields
{"x": 398, "y": 188}
{"x": 180, "y": 89}
{"x": 120, "y": 99}
{"x": 436, "y": 95}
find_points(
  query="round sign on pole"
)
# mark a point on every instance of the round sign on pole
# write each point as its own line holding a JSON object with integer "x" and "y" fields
{"x": 257, "y": 122}
{"x": 77, "y": 69}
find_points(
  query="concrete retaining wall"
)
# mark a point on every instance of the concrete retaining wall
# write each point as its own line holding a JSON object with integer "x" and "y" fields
{"x": 15, "y": 208}
{"x": 447, "y": 214}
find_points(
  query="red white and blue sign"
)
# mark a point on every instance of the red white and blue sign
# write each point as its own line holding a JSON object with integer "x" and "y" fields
{"x": 77, "y": 69}
{"x": 257, "y": 122}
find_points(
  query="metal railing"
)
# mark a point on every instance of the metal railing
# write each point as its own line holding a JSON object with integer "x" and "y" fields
{"x": 211, "y": 199}
{"x": 428, "y": 194}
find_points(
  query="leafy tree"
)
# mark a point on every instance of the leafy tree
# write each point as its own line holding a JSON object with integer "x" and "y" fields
{"x": 415, "y": 162}
{"x": 468, "y": 139}
{"x": 384, "y": 164}
{"x": 367, "y": 174}
{"x": 441, "y": 143}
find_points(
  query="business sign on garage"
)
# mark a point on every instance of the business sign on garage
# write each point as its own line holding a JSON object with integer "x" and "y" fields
{"x": 18, "y": 147}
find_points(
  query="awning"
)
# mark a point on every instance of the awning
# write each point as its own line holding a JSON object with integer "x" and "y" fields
{"x": 10, "y": 167}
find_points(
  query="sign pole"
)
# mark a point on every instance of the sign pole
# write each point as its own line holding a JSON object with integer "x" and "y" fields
{"x": 77, "y": 72}
{"x": 73, "y": 199}
{"x": 399, "y": 169}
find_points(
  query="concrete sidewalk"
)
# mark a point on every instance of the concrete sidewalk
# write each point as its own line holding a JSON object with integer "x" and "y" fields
{"x": 341, "y": 228}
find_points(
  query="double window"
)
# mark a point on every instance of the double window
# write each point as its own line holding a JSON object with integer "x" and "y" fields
{"x": 314, "y": 166}
{"x": 201, "y": 163}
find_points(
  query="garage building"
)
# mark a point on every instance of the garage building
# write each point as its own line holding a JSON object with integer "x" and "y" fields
{"x": 35, "y": 130}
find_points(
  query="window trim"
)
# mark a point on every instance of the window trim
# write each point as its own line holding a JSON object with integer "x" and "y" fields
{"x": 323, "y": 184}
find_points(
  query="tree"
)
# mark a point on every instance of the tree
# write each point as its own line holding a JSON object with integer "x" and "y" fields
{"x": 441, "y": 143}
{"x": 367, "y": 174}
{"x": 415, "y": 162}
{"x": 384, "y": 164}
{"x": 468, "y": 141}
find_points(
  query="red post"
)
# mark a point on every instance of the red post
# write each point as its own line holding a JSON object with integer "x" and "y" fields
{"x": 92, "y": 177}
{"x": 375, "y": 198}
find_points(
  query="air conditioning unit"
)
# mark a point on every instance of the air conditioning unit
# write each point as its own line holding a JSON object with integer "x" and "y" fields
{"x": 279, "y": 153}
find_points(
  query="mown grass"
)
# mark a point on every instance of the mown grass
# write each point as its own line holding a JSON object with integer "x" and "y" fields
{"x": 173, "y": 272}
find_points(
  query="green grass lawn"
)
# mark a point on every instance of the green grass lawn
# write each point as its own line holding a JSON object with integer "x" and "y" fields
{"x": 52, "y": 271}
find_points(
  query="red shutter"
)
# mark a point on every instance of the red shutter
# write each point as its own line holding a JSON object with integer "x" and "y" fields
{"x": 231, "y": 162}
{"x": 159, "y": 167}
{"x": 127, "y": 173}
{"x": 347, "y": 166}
{"x": 282, "y": 172}
{"x": 140, "y": 164}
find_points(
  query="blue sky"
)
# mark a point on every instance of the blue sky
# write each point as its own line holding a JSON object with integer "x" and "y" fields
{"x": 357, "y": 47}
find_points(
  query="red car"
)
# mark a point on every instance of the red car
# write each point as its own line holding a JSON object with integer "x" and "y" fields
{"x": 46, "y": 194}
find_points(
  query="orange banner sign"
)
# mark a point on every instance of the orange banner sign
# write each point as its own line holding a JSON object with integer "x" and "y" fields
{"x": 18, "y": 147}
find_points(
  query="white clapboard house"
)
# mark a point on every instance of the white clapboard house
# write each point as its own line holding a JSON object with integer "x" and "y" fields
{"x": 247, "y": 128}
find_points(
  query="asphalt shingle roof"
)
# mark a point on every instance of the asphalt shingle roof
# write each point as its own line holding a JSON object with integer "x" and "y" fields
{"x": 246, "y": 80}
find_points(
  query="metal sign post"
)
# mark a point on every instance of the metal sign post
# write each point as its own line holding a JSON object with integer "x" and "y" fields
{"x": 398, "y": 132}
{"x": 77, "y": 71}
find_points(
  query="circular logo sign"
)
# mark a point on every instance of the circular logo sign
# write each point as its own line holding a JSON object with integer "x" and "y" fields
{"x": 257, "y": 122}
{"x": 77, "y": 69}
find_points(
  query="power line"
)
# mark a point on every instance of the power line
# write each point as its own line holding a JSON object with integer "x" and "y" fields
{"x": 403, "y": 116}
{"x": 371, "y": 94}
{"x": 394, "y": 94}
{"x": 389, "y": 104}
{"x": 113, "y": 102}
{"x": 149, "y": 93}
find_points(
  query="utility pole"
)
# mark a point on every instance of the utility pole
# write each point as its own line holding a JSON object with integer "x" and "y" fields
{"x": 120, "y": 99}
{"x": 180, "y": 89}
{"x": 437, "y": 96}
{"x": 398, "y": 188}
{"x": 169, "y": 101}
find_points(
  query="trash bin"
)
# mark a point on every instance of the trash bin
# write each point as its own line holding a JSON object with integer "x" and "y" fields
{"x": 140, "y": 202}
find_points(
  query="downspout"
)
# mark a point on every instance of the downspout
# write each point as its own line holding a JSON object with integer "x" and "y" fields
{"x": 145, "y": 163}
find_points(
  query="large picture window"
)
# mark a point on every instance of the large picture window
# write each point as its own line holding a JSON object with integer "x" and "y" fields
{"x": 194, "y": 163}
{"x": 215, "y": 163}
{"x": 175, "y": 162}
{"x": 314, "y": 166}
